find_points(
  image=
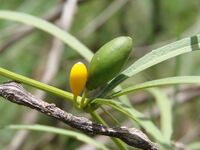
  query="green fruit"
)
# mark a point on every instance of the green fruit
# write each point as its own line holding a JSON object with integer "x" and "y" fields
{"x": 108, "y": 61}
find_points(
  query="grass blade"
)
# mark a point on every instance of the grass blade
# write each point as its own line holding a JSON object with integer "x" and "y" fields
{"x": 159, "y": 82}
{"x": 161, "y": 54}
{"x": 49, "y": 28}
{"x": 165, "y": 112}
{"x": 65, "y": 132}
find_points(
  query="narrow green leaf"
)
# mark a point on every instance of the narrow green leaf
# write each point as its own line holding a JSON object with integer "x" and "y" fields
{"x": 194, "y": 146}
{"x": 165, "y": 112}
{"x": 65, "y": 132}
{"x": 123, "y": 99}
{"x": 156, "y": 56}
{"x": 159, "y": 82}
{"x": 49, "y": 28}
{"x": 136, "y": 116}
{"x": 161, "y": 54}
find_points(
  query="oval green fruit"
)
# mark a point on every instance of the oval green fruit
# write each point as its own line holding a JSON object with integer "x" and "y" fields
{"x": 108, "y": 61}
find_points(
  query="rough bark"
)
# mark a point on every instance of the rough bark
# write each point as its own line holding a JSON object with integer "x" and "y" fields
{"x": 15, "y": 93}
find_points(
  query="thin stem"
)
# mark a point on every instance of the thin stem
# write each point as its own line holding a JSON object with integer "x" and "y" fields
{"x": 36, "y": 84}
{"x": 84, "y": 100}
{"x": 177, "y": 72}
{"x": 75, "y": 103}
{"x": 118, "y": 142}
{"x": 110, "y": 115}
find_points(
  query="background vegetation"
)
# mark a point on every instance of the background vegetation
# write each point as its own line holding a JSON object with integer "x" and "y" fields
{"x": 151, "y": 24}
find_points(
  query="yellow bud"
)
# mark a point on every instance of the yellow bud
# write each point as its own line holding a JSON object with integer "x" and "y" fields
{"x": 78, "y": 78}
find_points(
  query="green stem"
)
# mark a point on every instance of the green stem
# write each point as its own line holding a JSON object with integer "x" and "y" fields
{"x": 118, "y": 142}
{"x": 177, "y": 72}
{"x": 110, "y": 115}
{"x": 36, "y": 84}
{"x": 75, "y": 103}
{"x": 83, "y": 99}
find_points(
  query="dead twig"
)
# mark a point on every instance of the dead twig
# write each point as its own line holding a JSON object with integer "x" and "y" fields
{"x": 15, "y": 93}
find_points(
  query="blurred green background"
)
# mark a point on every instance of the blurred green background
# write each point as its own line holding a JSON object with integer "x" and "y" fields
{"x": 151, "y": 24}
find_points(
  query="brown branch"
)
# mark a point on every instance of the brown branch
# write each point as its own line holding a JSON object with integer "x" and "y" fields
{"x": 15, "y": 93}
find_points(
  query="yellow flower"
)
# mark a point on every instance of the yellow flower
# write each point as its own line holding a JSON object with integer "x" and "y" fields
{"x": 78, "y": 78}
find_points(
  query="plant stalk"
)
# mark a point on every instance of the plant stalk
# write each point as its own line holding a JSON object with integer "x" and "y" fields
{"x": 42, "y": 86}
{"x": 118, "y": 142}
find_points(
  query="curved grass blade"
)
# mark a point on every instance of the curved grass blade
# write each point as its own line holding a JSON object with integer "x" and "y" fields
{"x": 49, "y": 28}
{"x": 154, "y": 57}
{"x": 159, "y": 82}
{"x": 165, "y": 112}
{"x": 65, "y": 132}
{"x": 136, "y": 116}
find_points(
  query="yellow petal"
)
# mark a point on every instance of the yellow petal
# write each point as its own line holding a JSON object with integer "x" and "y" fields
{"x": 78, "y": 78}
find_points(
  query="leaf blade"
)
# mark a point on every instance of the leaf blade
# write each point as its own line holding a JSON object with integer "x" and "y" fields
{"x": 49, "y": 28}
{"x": 165, "y": 112}
{"x": 159, "y": 82}
{"x": 76, "y": 135}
